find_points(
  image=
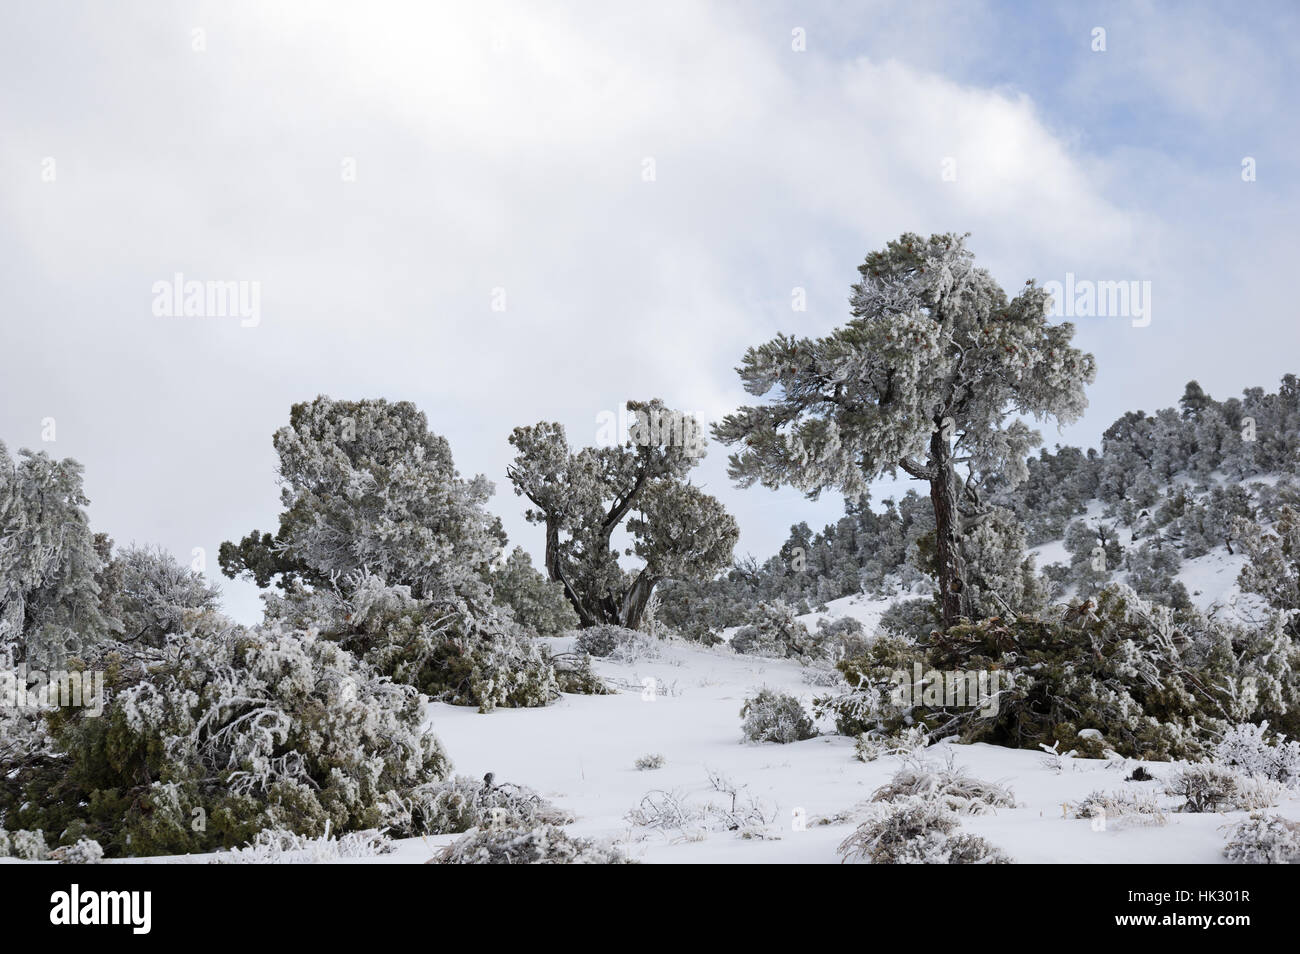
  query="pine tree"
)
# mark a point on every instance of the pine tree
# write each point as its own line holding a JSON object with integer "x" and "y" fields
{"x": 930, "y": 376}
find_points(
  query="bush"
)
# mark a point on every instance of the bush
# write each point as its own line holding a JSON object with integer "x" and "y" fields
{"x": 276, "y": 846}
{"x": 772, "y": 716}
{"x": 84, "y": 852}
{"x": 27, "y": 845}
{"x": 917, "y": 831}
{"x": 461, "y": 803}
{"x": 543, "y": 845}
{"x": 536, "y": 602}
{"x": 1142, "y": 808}
{"x": 1150, "y": 683}
{"x": 602, "y": 641}
{"x": 1246, "y": 748}
{"x": 648, "y": 763}
{"x": 870, "y": 746}
{"x": 1263, "y": 840}
{"x": 1206, "y": 787}
{"x": 444, "y": 648}
{"x": 774, "y": 631}
{"x": 951, "y": 787}
{"x": 219, "y": 734}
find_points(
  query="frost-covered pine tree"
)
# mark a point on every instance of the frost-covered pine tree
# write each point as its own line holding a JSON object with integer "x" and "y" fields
{"x": 368, "y": 488}
{"x": 930, "y": 376}
{"x": 582, "y": 497}
{"x": 50, "y": 562}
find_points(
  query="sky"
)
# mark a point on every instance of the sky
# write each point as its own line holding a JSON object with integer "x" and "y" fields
{"x": 516, "y": 212}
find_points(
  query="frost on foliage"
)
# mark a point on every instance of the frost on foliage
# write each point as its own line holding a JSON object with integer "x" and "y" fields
{"x": 648, "y": 763}
{"x": 534, "y": 601}
{"x": 23, "y": 844}
{"x": 1247, "y": 748}
{"x": 50, "y": 563}
{"x": 150, "y": 594}
{"x": 540, "y": 845}
{"x": 616, "y": 642}
{"x": 1120, "y": 809}
{"x": 583, "y": 497}
{"x": 729, "y": 807}
{"x": 917, "y": 830}
{"x": 1263, "y": 839}
{"x": 909, "y": 743}
{"x": 441, "y": 647}
{"x": 367, "y": 487}
{"x": 772, "y": 716}
{"x": 85, "y": 851}
{"x": 774, "y": 631}
{"x": 953, "y": 788}
{"x": 277, "y": 846}
{"x": 225, "y": 731}
{"x": 1206, "y": 787}
{"x": 461, "y": 803}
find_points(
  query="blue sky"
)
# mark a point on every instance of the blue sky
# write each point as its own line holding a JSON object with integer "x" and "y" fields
{"x": 505, "y": 147}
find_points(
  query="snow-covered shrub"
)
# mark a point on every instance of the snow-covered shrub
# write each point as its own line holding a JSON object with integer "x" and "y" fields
{"x": 542, "y": 845}
{"x": 917, "y": 831}
{"x": 1206, "y": 787}
{"x": 616, "y": 642}
{"x": 910, "y": 619}
{"x": 24, "y": 844}
{"x": 952, "y": 787}
{"x": 1263, "y": 839}
{"x": 773, "y": 716}
{"x": 87, "y": 851}
{"x": 774, "y": 631}
{"x": 870, "y": 746}
{"x": 220, "y": 733}
{"x": 274, "y": 846}
{"x": 1113, "y": 672}
{"x": 1128, "y": 807}
{"x": 842, "y": 638}
{"x": 461, "y": 803}
{"x": 648, "y": 763}
{"x": 672, "y": 813}
{"x": 1247, "y": 748}
{"x": 441, "y": 647}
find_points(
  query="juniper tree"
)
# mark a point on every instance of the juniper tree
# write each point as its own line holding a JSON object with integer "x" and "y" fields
{"x": 50, "y": 562}
{"x": 368, "y": 488}
{"x": 931, "y": 376}
{"x": 583, "y": 497}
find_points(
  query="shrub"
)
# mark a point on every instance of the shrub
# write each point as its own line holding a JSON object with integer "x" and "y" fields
{"x": 543, "y": 845}
{"x": 917, "y": 831}
{"x": 84, "y": 852}
{"x": 27, "y": 845}
{"x": 870, "y": 746}
{"x": 1115, "y": 672}
{"x": 774, "y": 631}
{"x": 444, "y": 648}
{"x": 607, "y": 640}
{"x": 773, "y": 716}
{"x": 461, "y": 803}
{"x": 1263, "y": 840}
{"x": 1206, "y": 787}
{"x": 1246, "y": 748}
{"x": 648, "y": 763}
{"x": 277, "y": 846}
{"x": 222, "y": 732}
{"x": 1141, "y": 808}
{"x": 535, "y": 601}
{"x": 951, "y": 787}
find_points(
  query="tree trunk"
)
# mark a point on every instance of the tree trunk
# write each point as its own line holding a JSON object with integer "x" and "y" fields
{"x": 947, "y": 541}
{"x": 636, "y": 600}
{"x": 556, "y": 573}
